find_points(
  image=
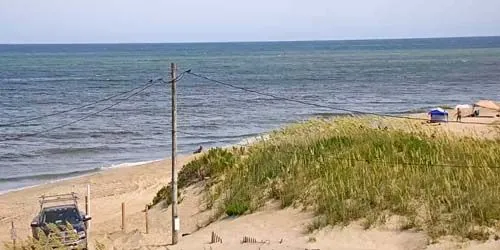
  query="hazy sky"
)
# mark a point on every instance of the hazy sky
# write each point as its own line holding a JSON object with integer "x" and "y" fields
{"x": 79, "y": 21}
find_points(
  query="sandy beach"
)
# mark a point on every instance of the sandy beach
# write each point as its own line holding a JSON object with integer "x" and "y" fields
{"x": 136, "y": 186}
{"x": 278, "y": 229}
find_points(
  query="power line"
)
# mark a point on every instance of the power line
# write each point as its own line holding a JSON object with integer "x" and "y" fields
{"x": 282, "y": 78}
{"x": 79, "y": 107}
{"x": 89, "y": 104}
{"x": 394, "y": 163}
{"x": 416, "y": 164}
{"x": 351, "y": 111}
{"x": 178, "y": 78}
{"x": 320, "y": 105}
{"x": 82, "y": 118}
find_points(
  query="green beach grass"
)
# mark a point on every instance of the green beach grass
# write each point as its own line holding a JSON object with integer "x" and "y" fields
{"x": 352, "y": 169}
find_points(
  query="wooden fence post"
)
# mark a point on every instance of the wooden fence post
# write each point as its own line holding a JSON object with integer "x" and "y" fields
{"x": 123, "y": 216}
{"x": 87, "y": 211}
{"x": 147, "y": 221}
{"x": 13, "y": 235}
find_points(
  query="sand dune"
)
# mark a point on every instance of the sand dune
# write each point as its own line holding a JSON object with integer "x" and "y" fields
{"x": 278, "y": 229}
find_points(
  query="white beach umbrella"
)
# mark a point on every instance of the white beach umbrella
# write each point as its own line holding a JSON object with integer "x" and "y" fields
{"x": 463, "y": 106}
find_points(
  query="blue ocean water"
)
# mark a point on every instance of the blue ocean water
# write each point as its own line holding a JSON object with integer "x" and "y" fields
{"x": 386, "y": 76}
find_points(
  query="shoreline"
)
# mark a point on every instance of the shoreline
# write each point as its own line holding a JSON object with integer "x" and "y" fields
{"x": 38, "y": 180}
{"x": 242, "y": 142}
{"x": 76, "y": 176}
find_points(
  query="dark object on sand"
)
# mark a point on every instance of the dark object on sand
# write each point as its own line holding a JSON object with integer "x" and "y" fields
{"x": 474, "y": 114}
{"x": 61, "y": 210}
{"x": 198, "y": 150}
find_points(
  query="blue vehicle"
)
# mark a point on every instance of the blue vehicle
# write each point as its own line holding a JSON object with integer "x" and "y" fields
{"x": 63, "y": 210}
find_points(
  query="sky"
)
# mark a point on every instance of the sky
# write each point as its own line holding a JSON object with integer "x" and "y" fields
{"x": 129, "y": 21}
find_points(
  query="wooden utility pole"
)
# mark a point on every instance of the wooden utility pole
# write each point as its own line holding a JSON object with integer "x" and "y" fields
{"x": 175, "y": 218}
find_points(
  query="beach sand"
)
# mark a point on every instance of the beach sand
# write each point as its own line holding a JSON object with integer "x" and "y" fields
{"x": 280, "y": 229}
{"x": 470, "y": 126}
{"x": 136, "y": 186}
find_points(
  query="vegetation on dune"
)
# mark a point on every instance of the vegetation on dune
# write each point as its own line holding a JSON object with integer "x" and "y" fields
{"x": 51, "y": 241}
{"x": 209, "y": 165}
{"x": 349, "y": 169}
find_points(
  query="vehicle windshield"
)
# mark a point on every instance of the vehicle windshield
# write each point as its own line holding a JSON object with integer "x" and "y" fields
{"x": 60, "y": 216}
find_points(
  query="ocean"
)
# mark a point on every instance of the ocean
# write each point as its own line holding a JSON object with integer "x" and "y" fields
{"x": 383, "y": 76}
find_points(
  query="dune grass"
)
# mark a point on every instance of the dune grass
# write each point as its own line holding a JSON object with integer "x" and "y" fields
{"x": 349, "y": 169}
{"x": 208, "y": 167}
{"x": 51, "y": 241}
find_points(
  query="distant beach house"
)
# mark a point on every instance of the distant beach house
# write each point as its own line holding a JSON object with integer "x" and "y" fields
{"x": 438, "y": 115}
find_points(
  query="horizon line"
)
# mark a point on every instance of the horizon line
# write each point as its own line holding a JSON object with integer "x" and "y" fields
{"x": 255, "y": 41}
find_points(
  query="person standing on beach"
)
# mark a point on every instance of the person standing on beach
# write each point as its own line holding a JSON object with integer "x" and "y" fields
{"x": 459, "y": 115}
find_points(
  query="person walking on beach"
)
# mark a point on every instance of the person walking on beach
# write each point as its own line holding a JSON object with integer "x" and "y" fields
{"x": 459, "y": 115}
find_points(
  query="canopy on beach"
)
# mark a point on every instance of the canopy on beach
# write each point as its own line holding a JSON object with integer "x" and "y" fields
{"x": 438, "y": 111}
{"x": 438, "y": 115}
{"x": 487, "y": 104}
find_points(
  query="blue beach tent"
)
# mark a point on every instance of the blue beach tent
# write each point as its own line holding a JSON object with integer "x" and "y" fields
{"x": 438, "y": 115}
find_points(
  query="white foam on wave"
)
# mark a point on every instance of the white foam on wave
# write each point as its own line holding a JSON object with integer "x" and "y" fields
{"x": 46, "y": 182}
{"x": 130, "y": 164}
{"x": 18, "y": 189}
